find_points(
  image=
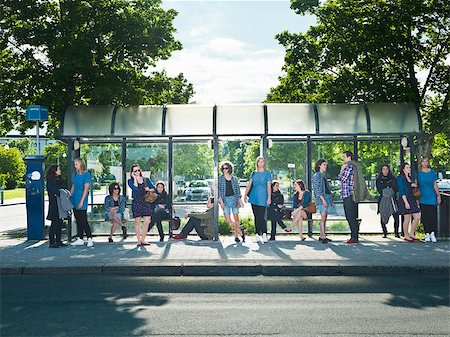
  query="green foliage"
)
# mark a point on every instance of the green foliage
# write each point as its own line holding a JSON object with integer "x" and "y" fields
{"x": 12, "y": 167}
{"x": 26, "y": 146}
{"x": 251, "y": 153}
{"x": 193, "y": 161}
{"x": 59, "y": 53}
{"x": 441, "y": 153}
{"x": 247, "y": 223}
{"x": 57, "y": 152}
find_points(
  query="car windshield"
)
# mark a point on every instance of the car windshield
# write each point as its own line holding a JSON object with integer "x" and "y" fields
{"x": 199, "y": 184}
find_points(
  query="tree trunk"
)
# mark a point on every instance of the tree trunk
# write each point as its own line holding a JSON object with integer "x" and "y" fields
{"x": 424, "y": 145}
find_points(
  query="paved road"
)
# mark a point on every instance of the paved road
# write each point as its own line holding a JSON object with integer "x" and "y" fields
{"x": 93, "y": 305}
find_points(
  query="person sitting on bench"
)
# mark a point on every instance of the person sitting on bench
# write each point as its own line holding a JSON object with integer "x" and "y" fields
{"x": 198, "y": 221}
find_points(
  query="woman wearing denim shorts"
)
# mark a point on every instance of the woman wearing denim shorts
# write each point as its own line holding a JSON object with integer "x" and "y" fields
{"x": 230, "y": 198}
{"x": 322, "y": 196}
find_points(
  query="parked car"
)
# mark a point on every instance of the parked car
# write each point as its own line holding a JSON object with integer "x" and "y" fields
{"x": 197, "y": 190}
{"x": 243, "y": 182}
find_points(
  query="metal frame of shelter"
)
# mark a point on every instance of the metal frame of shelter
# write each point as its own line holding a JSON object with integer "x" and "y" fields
{"x": 285, "y": 122}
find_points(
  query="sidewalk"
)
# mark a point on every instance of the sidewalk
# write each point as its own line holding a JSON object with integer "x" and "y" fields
{"x": 285, "y": 257}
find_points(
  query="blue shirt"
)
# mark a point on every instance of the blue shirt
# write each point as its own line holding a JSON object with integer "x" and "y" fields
{"x": 426, "y": 186}
{"x": 305, "y": 201}
{"x": 258, "y": 195}
{"x": 78, "y": 188}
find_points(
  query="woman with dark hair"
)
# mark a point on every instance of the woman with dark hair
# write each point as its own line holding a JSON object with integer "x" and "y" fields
{"x": 230, "y": 198}
{"x": 53, "y": 185}
{"x": 322, "y": 196}
{"x": 387, "y": 200}
{"x": 429, "y": 199}
{"x": 407, "y": 204}
{"x": 274, "y": 213}
{"x": 140, "y": 208}
{"x": 79, "y": 198}
{"x": 161, "y": 209}
{"x": 302, "y": 198}
{"x": 114, "y": 207}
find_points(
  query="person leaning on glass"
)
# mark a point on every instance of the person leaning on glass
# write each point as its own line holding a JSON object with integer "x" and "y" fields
{"x": 161, "y": 209}
{"x": 302, "y": 198}
{"x": 114, "y": 208}
{"x": 230, "y": 198}
{"x": 274, "y": 212}
{"x": 140, "y": 208}
{"x": 429, "y": 199}
{"x": 260, "y": 189}
{"x": 322, "y": 196}
{"x": 387, "y": 201}
{"x": 79, "y": 198}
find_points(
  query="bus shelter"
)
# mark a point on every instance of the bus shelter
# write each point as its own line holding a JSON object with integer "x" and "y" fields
{"x": 183, "y": 144}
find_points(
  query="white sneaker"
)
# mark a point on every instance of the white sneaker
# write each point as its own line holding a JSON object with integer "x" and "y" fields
{"x": 428, "y": 237}
{"x": 90, "y": 243}
{"x": 433, "y": 237}
{"x": 264, "y": 237}
{"x": 257, "y": 238}
{"x": 78, "y": 242}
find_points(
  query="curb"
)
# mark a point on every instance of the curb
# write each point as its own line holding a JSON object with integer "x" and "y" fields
{"x": 230, "y": 270}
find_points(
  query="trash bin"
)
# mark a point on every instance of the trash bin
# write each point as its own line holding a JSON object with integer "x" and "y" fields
{"x": 443, "y": 214}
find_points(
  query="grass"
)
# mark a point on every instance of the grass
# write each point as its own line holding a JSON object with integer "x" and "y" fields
{"x": 13, "y": 194}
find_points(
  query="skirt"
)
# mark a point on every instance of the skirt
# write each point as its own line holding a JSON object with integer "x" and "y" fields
{"x": 412, "y": 203}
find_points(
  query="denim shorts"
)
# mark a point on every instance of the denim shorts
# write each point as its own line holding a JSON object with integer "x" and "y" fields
{"x": 321, "y": 208}
{"x": 230, "y": 205}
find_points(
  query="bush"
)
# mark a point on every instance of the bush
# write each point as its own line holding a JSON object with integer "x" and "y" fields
{"x": 247, "y": 223}
{"x": 12, "y": 165}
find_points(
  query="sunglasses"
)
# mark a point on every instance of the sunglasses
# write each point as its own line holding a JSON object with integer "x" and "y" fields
{"x": 225, "y": 168}
{"x": 138, "y": 170}
{"x": 116, "y": 188}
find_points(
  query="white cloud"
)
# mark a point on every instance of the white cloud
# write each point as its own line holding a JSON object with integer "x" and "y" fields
{"x": 198, "y": 31}
{"x": 225, "y": 70}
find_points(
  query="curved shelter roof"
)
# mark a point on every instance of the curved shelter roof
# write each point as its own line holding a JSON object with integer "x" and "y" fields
{"x": 303, "y": 119}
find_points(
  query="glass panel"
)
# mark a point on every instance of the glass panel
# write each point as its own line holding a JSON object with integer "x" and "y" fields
{"x": 342, "y": 118}
{"x": 373, "y": 155}
{"x": 88, "y": 120}
{"x": 240, "y": 119}
{"x": 291, "y": 119}
{"x": 393, "y": 117}
{"x": 193, "y": 165}
{"x": 287, "y": 161}
{"x": 189, "y": 120}
{"x": 104, "y": 161}
{"x": 152, "y": 158}
{"x": 138, "y": 120}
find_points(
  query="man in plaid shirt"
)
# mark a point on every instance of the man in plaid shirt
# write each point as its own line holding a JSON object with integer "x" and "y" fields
{"x": 347, "y": 180}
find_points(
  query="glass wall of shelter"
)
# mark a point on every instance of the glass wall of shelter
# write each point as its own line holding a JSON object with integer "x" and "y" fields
{"x": 183, "y": 145}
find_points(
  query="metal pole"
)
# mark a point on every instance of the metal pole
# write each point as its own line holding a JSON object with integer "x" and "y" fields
{"x": 216, "y": 192}
{"x": 38, "y": 148}
{"x": 170, "y": 179}
{"x": 308, "y": 177}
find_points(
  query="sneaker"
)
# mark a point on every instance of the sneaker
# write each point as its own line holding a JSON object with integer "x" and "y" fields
{"x": 350, "y": 241}
{"x": 78, "y": 242}
{"x": 427, "y": 237}
{"x": 257, "y": 238}
{"x": 264, "y": 237}
{"x": 178, "y": 237}
{"x": 433, "y": 237}
{"x": 90, "y": 243}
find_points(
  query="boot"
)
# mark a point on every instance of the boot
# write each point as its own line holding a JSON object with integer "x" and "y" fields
{"x": 124, "y": 232}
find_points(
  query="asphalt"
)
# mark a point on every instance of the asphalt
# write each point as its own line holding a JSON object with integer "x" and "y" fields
{"x": 287, "y": 256}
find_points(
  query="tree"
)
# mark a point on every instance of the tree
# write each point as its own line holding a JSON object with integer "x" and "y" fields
{"x": 12, "y": 167}
{"x": 70, "y": 52}
{"x": 371, "y": 50}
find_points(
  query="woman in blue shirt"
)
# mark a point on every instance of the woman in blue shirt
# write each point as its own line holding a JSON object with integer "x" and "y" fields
{"x": 140, "y": 208}
{"x": 79, "y": 193}
{"x": 259, "y": 187}
{"x": 302, "y": 198}
{"x": 407, "y": 204}
{"x": 429, "y": 199}
{"x": 114, "y": 208}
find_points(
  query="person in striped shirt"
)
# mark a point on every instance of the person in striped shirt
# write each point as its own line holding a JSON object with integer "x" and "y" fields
{"x": 347, "y": 180}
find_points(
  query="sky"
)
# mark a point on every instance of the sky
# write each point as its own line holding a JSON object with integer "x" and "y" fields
{"x": 230, "y": 53}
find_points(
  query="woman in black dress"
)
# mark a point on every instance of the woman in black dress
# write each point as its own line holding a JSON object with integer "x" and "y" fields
{"x": 53, "y": 185}
{"x": 274, "y": 213}
{"x": 161, "y": 209}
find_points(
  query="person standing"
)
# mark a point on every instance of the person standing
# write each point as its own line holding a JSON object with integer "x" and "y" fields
{"x": 114, "y": 208}
{"x": 322, "y": 196}
{"x": 53, "y": 185}
{"x": 161, "y": 209}
{"x": 140, "y": 208}
{"x": 230, "y": 198}
{"x": 302, "y": 198}
{"x": 79, "y": 198}
{"x": 274, "y": 212}
{"x": 429, "y": 199}
{"x": 387, "y": 201}
{"x": 407, "y": 204}
{"x": 347, "y": 181}
{"x": 260, "y": 197}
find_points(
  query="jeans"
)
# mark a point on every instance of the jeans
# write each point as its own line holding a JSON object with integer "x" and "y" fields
{"x": 350, "y": 209}
{"x": 259, "y": 213}
{"x": 82, "y": 223}
{"x": 157, "y": 217}
{"x": 196, "y": 224}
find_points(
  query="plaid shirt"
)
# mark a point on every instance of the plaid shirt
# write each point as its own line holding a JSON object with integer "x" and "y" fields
{"x": 347, "y": 179}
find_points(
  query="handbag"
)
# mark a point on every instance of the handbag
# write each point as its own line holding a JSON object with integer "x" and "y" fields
{"x": 416, "y": 192}
{"x": 175, "y": 223}
{"x": 286, "y": 213}
{"x": 150, "y": 196}
{"x": 311, "y": 207}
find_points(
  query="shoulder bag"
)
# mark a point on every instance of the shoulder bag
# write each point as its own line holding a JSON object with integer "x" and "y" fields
{"x": 150, "y": 196}
{"x": 311, "y": 208}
